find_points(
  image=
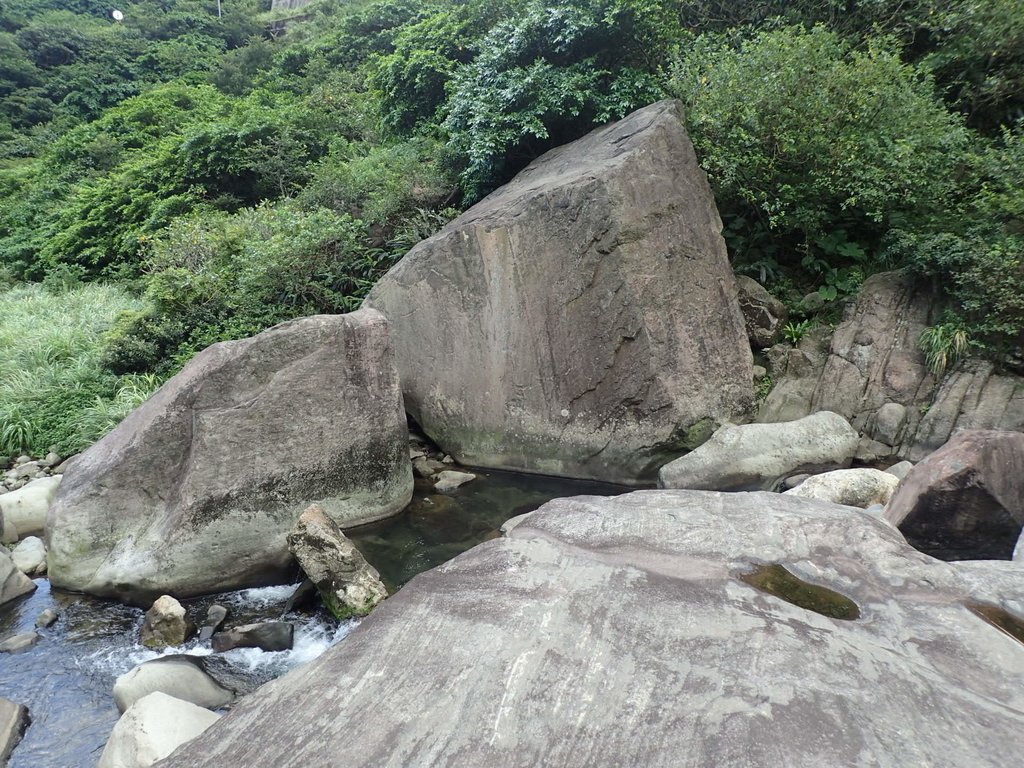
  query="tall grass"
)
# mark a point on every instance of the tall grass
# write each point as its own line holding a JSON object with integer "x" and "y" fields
{"x": 53, "y": 389}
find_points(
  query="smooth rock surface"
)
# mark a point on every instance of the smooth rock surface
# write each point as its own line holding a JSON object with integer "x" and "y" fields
{"x": 752, "y": 456}
{"x": 166, "y": 623}
{"x": 197, "y": 489}
{"x": 449, "y": 480}
{"x": 215, "y": 617}
{"x": 618, "y": 632}
{"x": 852, "y": 487}
{"x": 29, "y": 556}
{"x": 581, "y": 321}
{"x": 13, "y": 583}
{"x": 14, "y": 719}
{"x": 180, "y": 676}
{"x": 900, "y": 469}
{"x": 26, "y": 508}
{"x": 972, "y": 487}
{"x": 152, "y": 728}
{"x": 20, "y": 642}
{"x": 348, "y": 585}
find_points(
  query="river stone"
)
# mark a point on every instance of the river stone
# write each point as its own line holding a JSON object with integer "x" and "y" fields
{"x": 900, "y": 469}
{"x": 267, "y": 636}
{"x": 582, "y": 320}
{"x": 970, "y": 489}
{"x": 215, "y": 617}
{"x": 14, "y": 719}
{"x": 618, "y": 632}
{"x": 30, "y": 556}
{"x": 449, "y": 480}
{"x": 166, "y": 624}
{"x": 180, "y": 676}
{"x": 759, "y": 455}
{"x": 47, "y": 618}
{"x": 197, "y": 489}
{"x": 26, "y": 508}
{"x": 13, "y": 583}
{"x": 151, "y": 729}
{"x": 20, "y": 642}
{"x": 348, "y": 585}
{"x": 852, "y": 487}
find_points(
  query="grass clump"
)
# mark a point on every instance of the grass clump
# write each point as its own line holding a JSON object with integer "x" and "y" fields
{"x": 54, "y": 392}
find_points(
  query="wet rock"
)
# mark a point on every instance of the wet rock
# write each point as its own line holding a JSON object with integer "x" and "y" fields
{"x": 14, "y": 719}
{"x": 215, "y": 616}
{"x": 47, "y": 618}
{"x": 151, "y": 729}
{"x": 183, "y": 677}
{"x": 197, "y": 489}
{"x": 686, "y": 665}
{"x": 267, "y": 636}
{"x": 304, "y": 596}
{"x": 26, "y": 508}
{"x": 29, "y": 556}
{"x": 971, "y": 488}
{"x": 572, "y": 309}
{"x": 449, "y": 480}
{"x": 166, "y": 624}
{"x": 427, "y": 468}
{"x": 13, "y": 583}
{"x": 348, "y": 585}
{"x": 851, "y": 487}
{"x": 759, "y": 455}
{"x": 794, "y": 480}
{"x": 20, "y": 642}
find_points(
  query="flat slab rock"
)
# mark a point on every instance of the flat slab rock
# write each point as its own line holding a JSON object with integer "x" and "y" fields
{"x": 618, "y": 632}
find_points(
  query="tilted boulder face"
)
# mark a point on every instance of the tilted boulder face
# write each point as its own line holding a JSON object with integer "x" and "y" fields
{"x": 197, "y": 489}
{"x": 348, "y": 584}
{"x": 183, "y": 677}
{"x": 971, "y": 491}
{"x": 626, "y": 632}
{"x": 759, "y": 456}
{"x": 763, "y": 314}
{"x": 582, "y": 320}
{"x": 25, "y": 509}
{"x": 166, "y": 623}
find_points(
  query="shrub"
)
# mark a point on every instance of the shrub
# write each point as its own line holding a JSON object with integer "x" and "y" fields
{"x": 815, "y": 149}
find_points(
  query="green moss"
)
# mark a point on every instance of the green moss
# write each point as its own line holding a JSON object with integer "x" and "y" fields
{"x": 776, "y": 580}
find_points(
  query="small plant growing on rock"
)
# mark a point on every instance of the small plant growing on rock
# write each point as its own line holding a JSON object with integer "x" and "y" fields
{"x": 793, "y": 332}
{"x": 943, "y": 345}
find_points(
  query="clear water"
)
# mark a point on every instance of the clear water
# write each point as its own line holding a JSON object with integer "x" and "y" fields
{"x": 67, "y": 678}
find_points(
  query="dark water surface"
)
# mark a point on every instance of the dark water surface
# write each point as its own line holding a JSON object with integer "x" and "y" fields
{"x": 67, "y": 678}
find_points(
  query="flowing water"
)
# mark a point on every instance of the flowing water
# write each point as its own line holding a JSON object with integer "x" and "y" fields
{"x": 66, "y": 679}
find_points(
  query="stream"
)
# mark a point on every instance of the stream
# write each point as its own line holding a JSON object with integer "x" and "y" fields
{"x": 67, "y": 678}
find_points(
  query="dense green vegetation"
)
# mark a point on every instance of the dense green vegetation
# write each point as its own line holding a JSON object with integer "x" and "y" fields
{"x": 234, "y": 171}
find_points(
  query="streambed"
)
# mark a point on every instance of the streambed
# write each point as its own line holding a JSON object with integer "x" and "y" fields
{"x": 67, "y": 678}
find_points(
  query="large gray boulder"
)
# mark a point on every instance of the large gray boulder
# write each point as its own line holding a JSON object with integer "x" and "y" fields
{"x": 196, "y": 490}
{"x": 348, "y": 585}
{"x": 629, "y": 631}
{"x": 152, "y": 728}
{"x": 582, "y": 320}
{"x": 967, "y": 494}
{"x": 13, "y": 583}
{"x": 753, "y": 456}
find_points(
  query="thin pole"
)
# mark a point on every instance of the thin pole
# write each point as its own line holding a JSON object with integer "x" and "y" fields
{"x": 218, "y": 9}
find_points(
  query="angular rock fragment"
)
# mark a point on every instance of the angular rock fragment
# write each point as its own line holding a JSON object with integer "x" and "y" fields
{"x": 348, "y": 585}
